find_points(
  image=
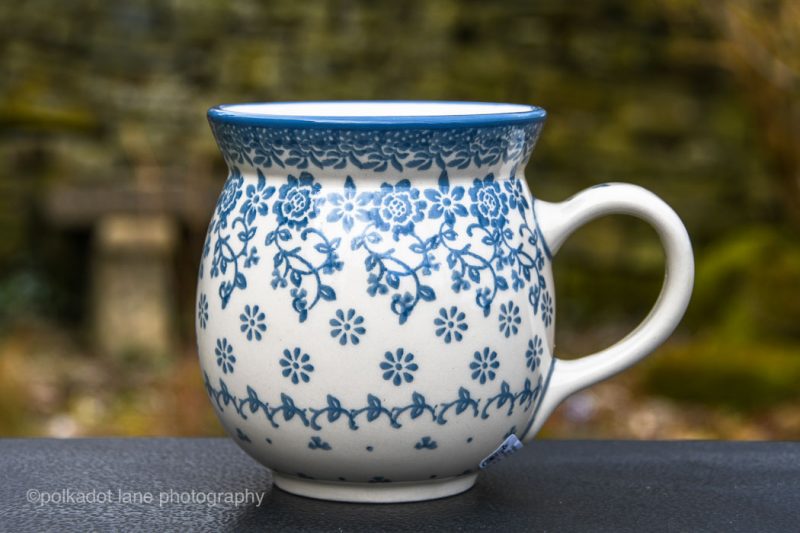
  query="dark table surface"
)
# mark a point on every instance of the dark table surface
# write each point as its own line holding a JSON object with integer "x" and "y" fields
{"x": 547, "y": 486}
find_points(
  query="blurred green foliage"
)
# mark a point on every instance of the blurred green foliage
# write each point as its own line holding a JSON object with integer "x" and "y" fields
{"x": 697, "y": 101}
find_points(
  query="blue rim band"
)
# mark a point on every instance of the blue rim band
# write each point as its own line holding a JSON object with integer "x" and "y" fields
{"x": 221, "y": 114}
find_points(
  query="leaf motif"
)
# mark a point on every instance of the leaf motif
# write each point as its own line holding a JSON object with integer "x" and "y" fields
{"x": 252, "y": 398}
{"x": 374, "y": 407}
{"x": 334, "y": 409}
{"x": 295, "y": 278}
{"x": 327, "y": 293}
{"x": 393, "y": 280}
{"x": 289, "y": 409}
{"x": 419, "y": 405}
{"x": 427, "y": 293}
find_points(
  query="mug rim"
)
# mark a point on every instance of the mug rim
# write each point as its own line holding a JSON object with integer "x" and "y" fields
{"x": 254, "y": 114}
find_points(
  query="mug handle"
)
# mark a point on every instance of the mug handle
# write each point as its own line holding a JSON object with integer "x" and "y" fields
{"x": 556, "y": 222}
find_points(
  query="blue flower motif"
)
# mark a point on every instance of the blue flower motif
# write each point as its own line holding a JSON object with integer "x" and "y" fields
{"x": 398, "y": 368}
{"x": 202, "y": 311}
{"x": 317, "y": 443}
{"x": 398, "y": 207}
{"x": 225, "y": 357}
{"x": 253, "y": 322}
{"x": 509, "y": 318}
{"x": 296, "y": 365}
{"x": 349, "y": 324}
{"x": 229, "y": 196}
{"x": 546, "y": 306}
{"x": 402, "y": 305}
{"x": 374, "y": 285}
{"x": 450, "y": 324}
{"x": 256, "y": 198}
{"x": 426, "y": 443}
{"x": 459, "y": 283}
{"x": 489, "y": 202}
{"x": 534, "y": 353}
{"x": 484, "y": 366}
{"x": 347, "y": 206}
{"x": 297, "y": 202}
{"x": 516, "y": 194}
{"x": 445, "y": 201}
{"x": 278, "y": 280}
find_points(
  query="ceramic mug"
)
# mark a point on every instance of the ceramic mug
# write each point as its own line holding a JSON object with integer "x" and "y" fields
{"x": 375, "y": 304}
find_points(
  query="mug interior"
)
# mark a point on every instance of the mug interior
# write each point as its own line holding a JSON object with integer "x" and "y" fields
{"x": 372, "y": 113}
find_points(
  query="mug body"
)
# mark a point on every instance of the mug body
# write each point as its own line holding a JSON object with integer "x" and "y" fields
{"x": 375, "y": 299}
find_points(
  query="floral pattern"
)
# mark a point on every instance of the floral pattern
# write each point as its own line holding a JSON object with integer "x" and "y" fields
{"x": 445, "y": 201}
{"x": 298, "y": 202}
{"x": 484, "y": 365}
{"x": 334, "y": 410}
{"x": 230, "y": 257}
{"x": 534, "y": 353}
{"x": 426, "y": 443}
{"x": 489, "y": 203}
{"x": 316, "y": 443}
{"x": 202, "y": 311}
{"x": 516, "y": 194}
{"x": 509, "y": 318}
{"x": 296, "y": 262}
{"x": 256, "y": 199}
{"x": 348, "y": 207}
{"x": 450, "y": 324}
{"x": 378, "y": 150}
{"x": 231, "y": 192}
{"x": 225, "y": 356}
{"x": 253, "y": 322}
{"x": 486, "y": 250}
{"x": 347, "y": 326}
{"x": 281, "y": 222}
{"x": 296, "y": 365}
{"x": 547, "y": 309}
{"x": 399, "y": 367}
{"x": 397, "y": 208}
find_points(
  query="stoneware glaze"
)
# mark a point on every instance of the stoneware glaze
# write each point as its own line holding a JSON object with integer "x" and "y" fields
{"x": 375, "y": 305}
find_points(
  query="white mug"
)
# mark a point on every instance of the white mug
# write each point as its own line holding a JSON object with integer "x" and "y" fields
{"x": 375, "y": 305}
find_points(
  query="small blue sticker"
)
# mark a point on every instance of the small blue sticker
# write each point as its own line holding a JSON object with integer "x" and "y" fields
{"x": 508, "y": 446}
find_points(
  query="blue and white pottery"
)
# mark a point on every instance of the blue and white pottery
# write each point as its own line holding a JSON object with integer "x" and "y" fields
{"x": 375, "y": 304}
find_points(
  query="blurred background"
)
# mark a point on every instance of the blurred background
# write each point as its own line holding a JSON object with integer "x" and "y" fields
{"x": 108, "y": 176}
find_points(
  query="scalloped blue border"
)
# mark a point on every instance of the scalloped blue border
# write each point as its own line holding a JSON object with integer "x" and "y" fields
{"x": 219, "y": 114}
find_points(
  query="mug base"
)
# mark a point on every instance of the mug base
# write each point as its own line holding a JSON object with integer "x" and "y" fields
{"x": 343, "y": 491}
